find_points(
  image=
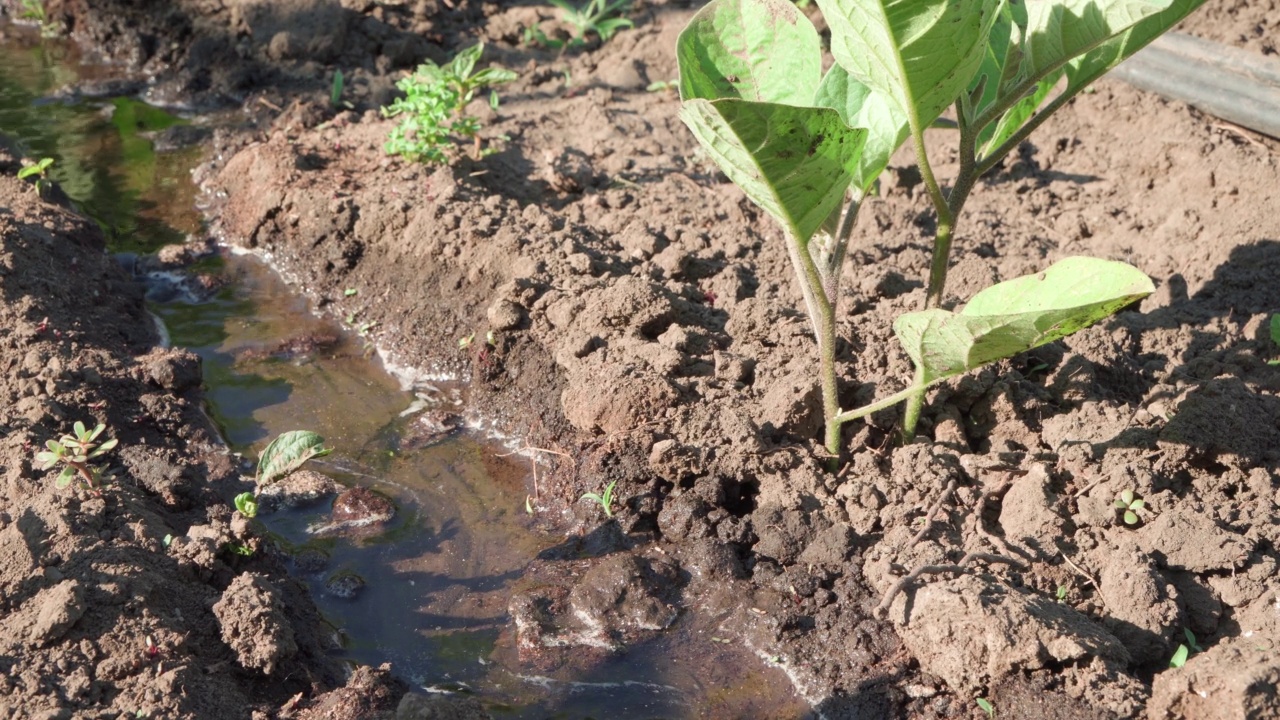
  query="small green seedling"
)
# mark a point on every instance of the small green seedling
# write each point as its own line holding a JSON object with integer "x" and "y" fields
{"x": 1062, "y": 593}
{"x": 239, "y": 549}
{"x": 335, "y": 90}
{"x": 75, "y": 452}
{"x": 1132, "y": 505}
{"x": 605, "y": 499}
{"x": 33, "y": 10}
{"x": 1275, "y": 336}
{"x": 434, "y": 108}
{"x": 287, "y": 453}
{"x": 1185, "y": 650}
{"x": 38, "y": 170}
{"x": 658, "y": 86}
{"x": 986, "y": 707}
{"x": 349, "y": 292}
{"x": 808, "y": 145}
{"x": 465, "y": 342}
{"x": 602, "y": 17}
{"x": 247, "y": 504}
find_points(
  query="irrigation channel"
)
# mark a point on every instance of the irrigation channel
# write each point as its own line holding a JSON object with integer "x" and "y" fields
{"x": 435, "y": 581}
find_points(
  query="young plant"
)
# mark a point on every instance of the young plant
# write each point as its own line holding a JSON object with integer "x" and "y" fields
{"x": 1131, "y": 504}
{"x": 1185, "y": 650}
{"x": 75, "y": 452}
{"x": 602, "y": 17}
{"x": 985, "y": 706}
{"x": 808, "y": 146}
{"x": 285, "y": 454}
{"x": 434, "y": 107}
{"x": 38, "y": 170}
{"x": 605, "y": 499}
{"x": 247, "y": 504}
{"x": 33, "y": 10}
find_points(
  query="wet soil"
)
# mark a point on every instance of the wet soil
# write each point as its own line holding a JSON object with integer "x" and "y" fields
{"x": 645, "y": 322}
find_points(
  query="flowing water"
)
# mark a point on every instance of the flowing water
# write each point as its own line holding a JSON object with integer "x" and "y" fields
{"x": 438, "y": 577}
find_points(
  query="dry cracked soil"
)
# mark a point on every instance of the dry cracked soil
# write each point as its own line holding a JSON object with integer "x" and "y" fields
{"x": 646, "y": 322}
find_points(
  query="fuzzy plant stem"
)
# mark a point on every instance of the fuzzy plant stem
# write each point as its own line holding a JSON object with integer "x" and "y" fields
{"x": 817, "y": 267}
{"x": 948, "y": 208}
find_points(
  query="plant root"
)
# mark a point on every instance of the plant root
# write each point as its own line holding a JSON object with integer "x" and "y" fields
{"x": 882, "y": 609}
{"x": 933, "y": 510}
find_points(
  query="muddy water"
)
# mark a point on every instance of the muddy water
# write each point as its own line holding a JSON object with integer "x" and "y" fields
{"x": 438, "y": 577}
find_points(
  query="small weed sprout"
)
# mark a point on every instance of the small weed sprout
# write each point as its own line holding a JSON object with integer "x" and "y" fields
{"x": 33, "y": 10}
{"x": 287, "y": 453}
{"x": 1132, "y": 505}
{"x": 335, "y": 91}
{"x": 434, "y": 107}
{"x": 986, "y": 707}
{"x": 75, "y": 452}
{"x": 247, "y": 505}
{"x": 1185, "y": 650}
{"x": 1062, "y": 593}
{"x": 38, "y": 170}
{"x": 605, "y": 499}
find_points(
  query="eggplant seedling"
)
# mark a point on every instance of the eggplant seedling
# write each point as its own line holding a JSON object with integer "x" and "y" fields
{"x": 807, "y": 146}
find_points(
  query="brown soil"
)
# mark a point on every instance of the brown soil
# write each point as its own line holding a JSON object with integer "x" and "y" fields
{"x": 645, "y": 317}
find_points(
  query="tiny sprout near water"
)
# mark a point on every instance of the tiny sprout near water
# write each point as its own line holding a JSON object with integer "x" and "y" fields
{"x": 247, "y": 504}
{"x": 1131, "y": 504}
{"x": 38, "y": 170}
{"x": 605, "y": 499}
{"x": 74, "y": 452}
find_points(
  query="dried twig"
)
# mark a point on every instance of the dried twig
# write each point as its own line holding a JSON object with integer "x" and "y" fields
{"x": 1088, "y": 577}
{"x": 883, "y": 608}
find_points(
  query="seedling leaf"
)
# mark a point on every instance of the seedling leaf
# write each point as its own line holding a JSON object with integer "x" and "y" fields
{"x": 287, "y": 453}
{"x": 1179, "y": 657}
{"x": 795, "y": 162}
{"x": 1018, "y": 315}
{"x": 920, "y": 53}
{"x": 65, "y": 477}
{"x": 861, "y": 107}
{"x": 760, "y": 50}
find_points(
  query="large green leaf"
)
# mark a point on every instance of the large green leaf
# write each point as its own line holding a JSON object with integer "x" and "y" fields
{"x": 287, "y": 453}
{"x": 1082, "y": 39}
{"x": 920, "y": 53}
{"x": 1089, "y": 67}
{"x": 1059, "y": 30}
{"x": 795, "y": 162}
{"x": 1018, "y": 315}
{"x": 861, "y": 107}
{"x": 761, "y": 50}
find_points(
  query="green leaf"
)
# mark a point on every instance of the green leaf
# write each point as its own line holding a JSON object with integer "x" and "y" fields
{"x": 986, "y": 707}
{"x": 795, "y": 162}
{"x": 465, "y": 61}
{"x": 759, "y": 50}
{"x": 287, "y": 453}
{"x": 920, "y": 53}
{"x": 861, "y": 107}
{"x": 1018, "y": 315}
{"x": 1179, "y": 657}
{"x": 46, "y": 459}
{"x": 996, "y": 134}
{"x": 56, "y": 447}
{"x": 65, "y": 477}
{"x": 81, "y": 432}
{"x": 1089, "y": 67}
{"x": 1059, "y": 30}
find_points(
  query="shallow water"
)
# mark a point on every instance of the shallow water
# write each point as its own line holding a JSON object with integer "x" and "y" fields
{"x": 439, "y": 576}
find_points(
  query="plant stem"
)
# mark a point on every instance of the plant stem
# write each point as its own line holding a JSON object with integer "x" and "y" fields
{"x": 948, "y": 210}
{"x": 906, "y": 394}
